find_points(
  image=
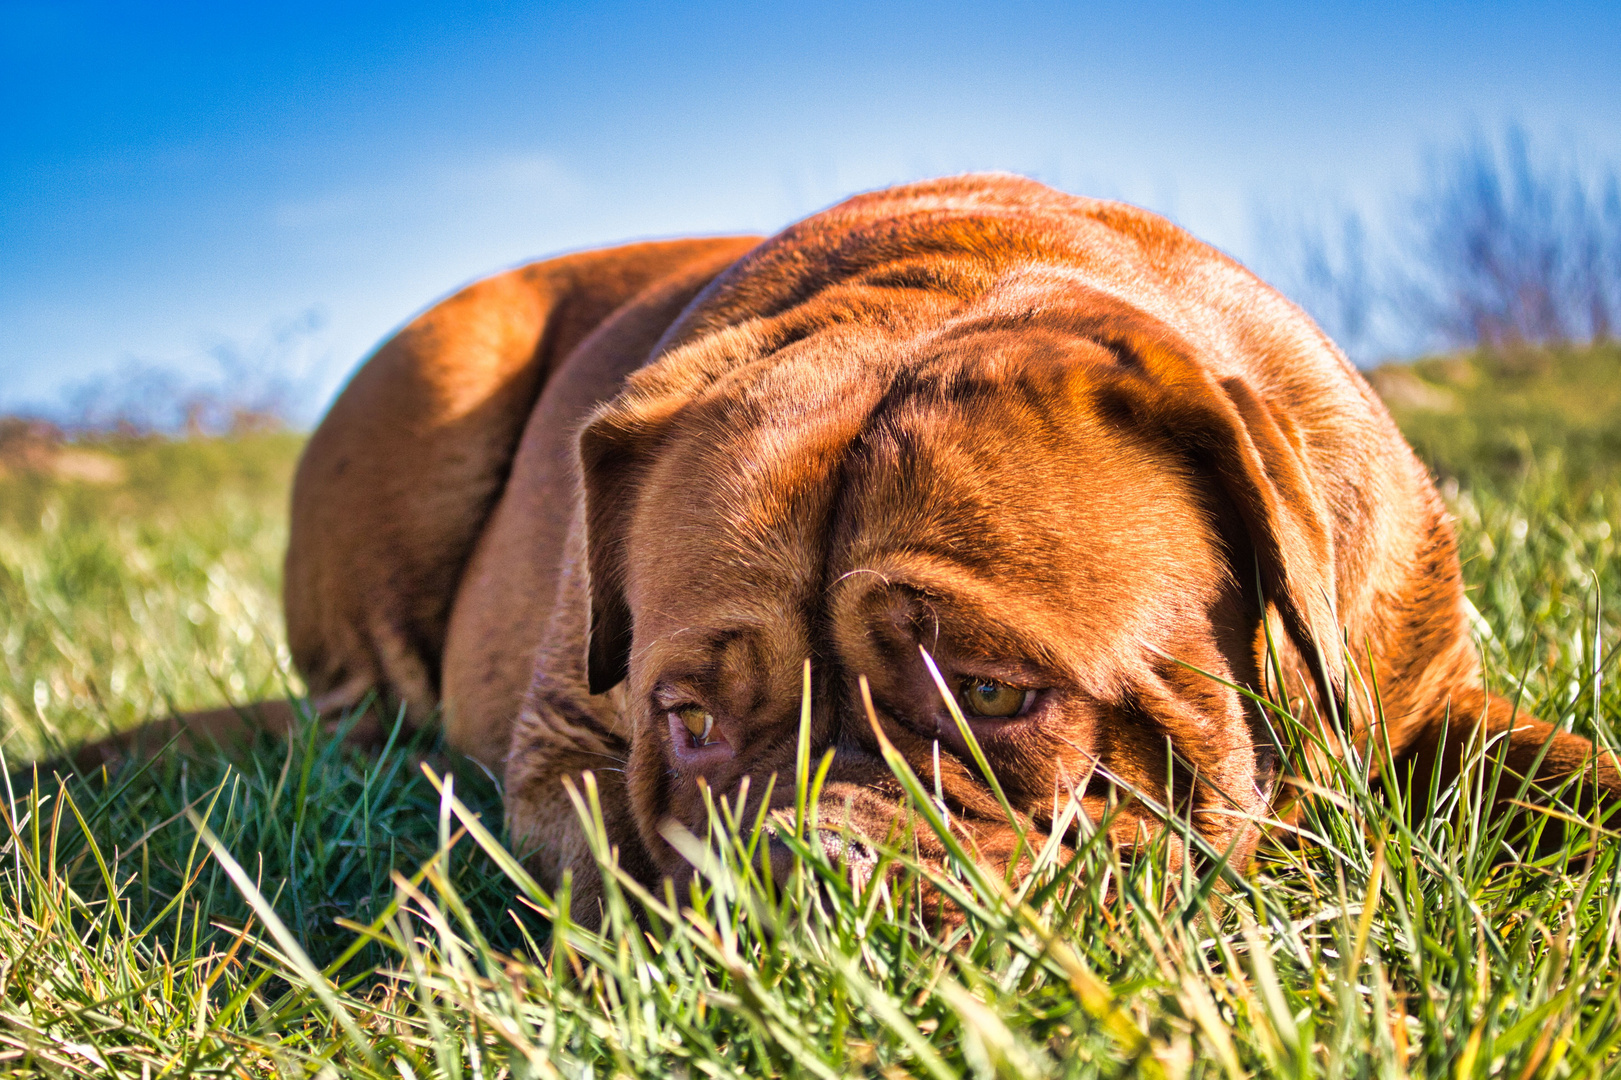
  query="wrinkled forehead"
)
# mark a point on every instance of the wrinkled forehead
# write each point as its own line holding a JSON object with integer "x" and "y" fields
{"x": 1003, "y": 501}
{"x": 732, "y": 515}
{"x": 1024, "y": 501}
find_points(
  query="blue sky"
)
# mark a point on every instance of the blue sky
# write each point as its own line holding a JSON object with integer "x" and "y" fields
{"x": 177, "y": 177}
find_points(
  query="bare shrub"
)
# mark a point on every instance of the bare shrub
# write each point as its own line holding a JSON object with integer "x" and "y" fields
{"x": 28, "y": 444}
{"x": 1330, "y": 262}
{"x": 1514, "y": 250}
{"x": 1502, "y": 246}
{"x": 262, "y": 386}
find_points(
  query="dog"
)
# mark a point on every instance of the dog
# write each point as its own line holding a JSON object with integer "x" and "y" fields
{"x": 595, "y": 514}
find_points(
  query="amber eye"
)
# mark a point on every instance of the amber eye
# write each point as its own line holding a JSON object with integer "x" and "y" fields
{"x": 697, "y": 721}
{"x": 987, "y": 697}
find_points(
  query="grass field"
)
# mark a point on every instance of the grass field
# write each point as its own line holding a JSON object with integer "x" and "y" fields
{"x": 311, "y": 911}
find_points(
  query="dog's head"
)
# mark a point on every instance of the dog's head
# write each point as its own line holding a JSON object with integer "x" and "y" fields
{"x": 1067, "y": 514}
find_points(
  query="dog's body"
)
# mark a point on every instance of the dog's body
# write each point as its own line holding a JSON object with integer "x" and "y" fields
{"x": 601, "y": 509}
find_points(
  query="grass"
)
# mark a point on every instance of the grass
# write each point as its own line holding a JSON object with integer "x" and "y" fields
{"x": 311, "y": 911}
{"x": 158, "y": 590}
{"x": 1491, "y": 416}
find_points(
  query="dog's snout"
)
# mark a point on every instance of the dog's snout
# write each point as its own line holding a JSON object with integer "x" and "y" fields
{"x": 847, "y": 852}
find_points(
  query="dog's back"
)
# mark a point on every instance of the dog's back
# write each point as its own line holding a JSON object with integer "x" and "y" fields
{"x": 408, "y": 468}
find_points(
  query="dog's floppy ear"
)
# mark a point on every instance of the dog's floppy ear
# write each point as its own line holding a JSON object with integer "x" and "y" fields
{"x": 1257, "y": 457}
{"x": 614, "y": 448}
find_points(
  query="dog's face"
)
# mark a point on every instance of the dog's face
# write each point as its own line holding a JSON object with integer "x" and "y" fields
{"x": 1015, "y": 508}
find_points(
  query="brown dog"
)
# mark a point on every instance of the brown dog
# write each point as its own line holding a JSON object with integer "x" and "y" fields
{"x": 601, "y": 509}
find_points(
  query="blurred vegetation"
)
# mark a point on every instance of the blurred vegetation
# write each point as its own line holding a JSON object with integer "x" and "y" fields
{"x": 1501, "y": 246}
{"x": 1492, "y": 416}
{"x": 137, "y": 575}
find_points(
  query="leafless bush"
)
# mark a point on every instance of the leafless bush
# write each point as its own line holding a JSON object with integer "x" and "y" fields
{"x": 27, "y": 443}
{"x": 1329, "y": 261}
{"x": 1501, "y": 247}
{"x": 262, "y": 386}
{"x": 1516, "y": 250}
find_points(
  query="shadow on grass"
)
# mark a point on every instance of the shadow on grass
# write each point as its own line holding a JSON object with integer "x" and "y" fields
{"x": 320, "y": 827}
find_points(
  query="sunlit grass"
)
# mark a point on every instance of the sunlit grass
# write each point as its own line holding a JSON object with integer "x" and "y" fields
{"x": 121, "y": 600}
{"x": 1385, "y": 947}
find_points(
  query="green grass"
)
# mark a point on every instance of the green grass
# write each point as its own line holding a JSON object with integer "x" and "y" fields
{"x": 1489, "y": 417}
{"x": 119, "y": 600}
{"x": 341, "y": 915}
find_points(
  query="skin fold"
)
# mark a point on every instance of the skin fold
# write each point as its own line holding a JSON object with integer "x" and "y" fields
{"x": 597, "y": 513}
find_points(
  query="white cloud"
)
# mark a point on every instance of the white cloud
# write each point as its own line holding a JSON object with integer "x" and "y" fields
{"x": 446, "y": 186}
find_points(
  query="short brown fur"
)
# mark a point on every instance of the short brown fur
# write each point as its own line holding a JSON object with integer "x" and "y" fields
{"x": 1056, "y": 442}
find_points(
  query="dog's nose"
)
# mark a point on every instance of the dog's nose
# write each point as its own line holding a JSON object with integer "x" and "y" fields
{"x": 846, "y": 854}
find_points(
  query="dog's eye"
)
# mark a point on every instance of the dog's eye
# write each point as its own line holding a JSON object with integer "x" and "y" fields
{"x": 987, "y": 697}
{"x": 697, "y": 721}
